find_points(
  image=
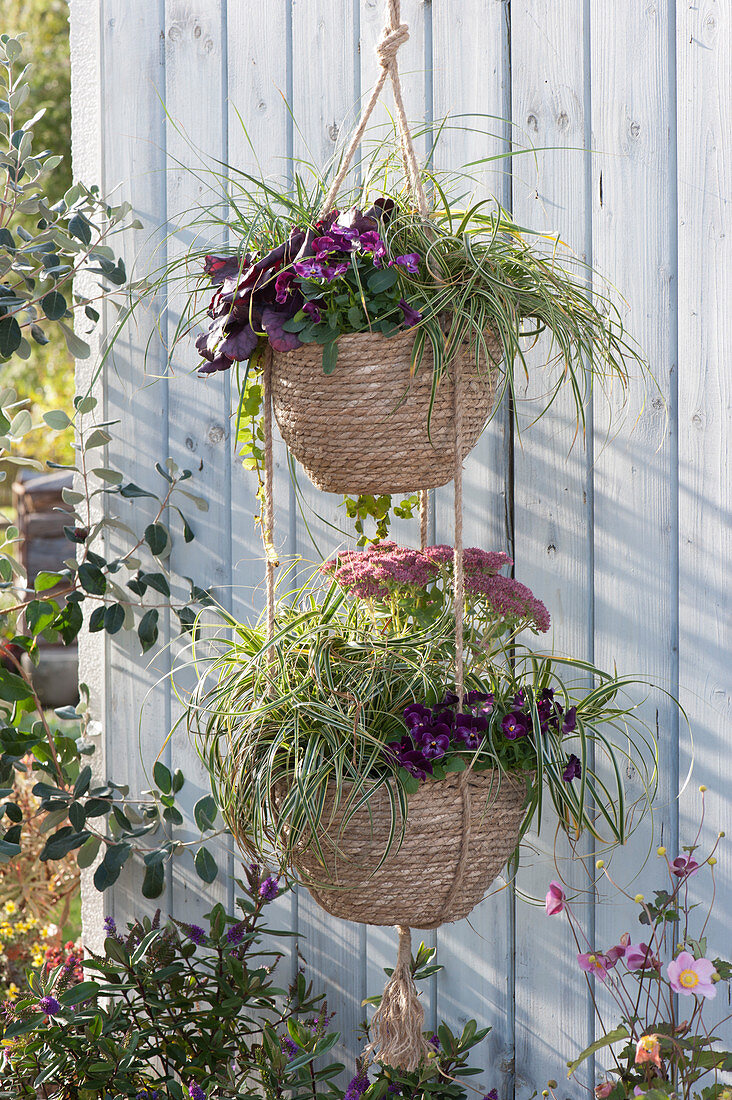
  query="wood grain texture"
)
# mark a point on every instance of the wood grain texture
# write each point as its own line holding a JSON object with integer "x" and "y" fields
{"x": 326, "y": 88}
{"x": 198, "y": 409}
{"x": 477, "y": 953}
{"x": 136, "y": 388}
{"x": 552, "y": 507}
{"x": 635, "y": 541}
{"x": 259, "y": 142}
{"x": 704, "y": 47}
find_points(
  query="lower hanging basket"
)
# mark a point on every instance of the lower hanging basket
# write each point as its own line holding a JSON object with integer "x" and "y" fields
{"x": 367, "y": 427}
{"x": 460, "y": 832}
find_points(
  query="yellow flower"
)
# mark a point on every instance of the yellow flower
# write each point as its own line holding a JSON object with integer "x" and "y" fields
{"x": 10, "y": 907}
{"x": 13, "y": 991}
{"x": 32, "y": 922}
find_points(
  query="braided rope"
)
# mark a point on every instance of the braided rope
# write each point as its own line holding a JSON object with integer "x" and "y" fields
{"x": 458, "y": 573}
{"x": 424, "y": 518}
{"x": 395, "y": 35}
{"x": 267, "y": 519}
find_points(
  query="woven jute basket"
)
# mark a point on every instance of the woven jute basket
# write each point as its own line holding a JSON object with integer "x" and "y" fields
{"x": 367, "y": 427}
{"x": 460, "y": 831}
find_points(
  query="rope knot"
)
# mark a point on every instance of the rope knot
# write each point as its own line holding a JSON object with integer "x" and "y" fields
{"x": 393, "y": 38}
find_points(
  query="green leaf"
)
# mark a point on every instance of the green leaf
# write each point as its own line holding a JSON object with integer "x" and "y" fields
{"x": 204, "y": 813}
{"x": 158, "y": 581}
{"x": 81, "y": 786}
{"x": 79, "y": 227}
{"x": 96, "y": 620}
{"x": 13, "y": 689}
{"x": 57, "y": 419}
{"x": 45, "y": 580}
{"x": 92, "y": 579}
{"x": 382, "y": 280}
{"x": 88, "y": 852}
{"x": 154, "y": 880}
{"x": 77, "y": 347}
{"x": 10, "y": 336}
{"x": 114, "y": 618}
{"x": 330, "y": 356}
{"x": 615, "y": 1036}
{"x": 156, "y": 537}
{"x": 63, "y": 842}
{"x": 148, "y": 629}
{"x": 98, "y": 438}
{"x": 54, "y": 305}
{"x": 77, "y": 816}
{"x": 206, "y": 865}
{"x": 39, "y": 614}
{"x": 84, "y": 991}
{"x": 457, "y": 764}
{"x": 162, "y": 778}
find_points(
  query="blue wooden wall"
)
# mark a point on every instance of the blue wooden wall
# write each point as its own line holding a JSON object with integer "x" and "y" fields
{"x": 625, "y": 539}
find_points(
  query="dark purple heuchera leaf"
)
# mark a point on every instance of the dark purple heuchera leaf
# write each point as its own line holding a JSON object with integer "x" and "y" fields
{"x": 240, "y": 343}
{"x": 272, "y": 321}
{"x": 219, "y": 268}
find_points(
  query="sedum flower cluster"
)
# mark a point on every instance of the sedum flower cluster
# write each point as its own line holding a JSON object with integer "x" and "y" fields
{"x": 415, "y": 587}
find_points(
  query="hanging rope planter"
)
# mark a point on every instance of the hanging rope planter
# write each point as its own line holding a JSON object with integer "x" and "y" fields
{"x": 376, "y": 424}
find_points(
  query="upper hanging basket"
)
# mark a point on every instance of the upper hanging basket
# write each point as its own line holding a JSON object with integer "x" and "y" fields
{"x": 367, "y": 427}
{"x": 460, "y": 831}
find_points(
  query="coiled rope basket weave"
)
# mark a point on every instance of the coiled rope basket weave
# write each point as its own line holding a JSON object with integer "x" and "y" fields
{"x": 368, "y": 426}
{"x": 459, "y": 833}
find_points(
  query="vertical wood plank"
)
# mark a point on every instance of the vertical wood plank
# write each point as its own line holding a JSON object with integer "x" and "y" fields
{"x": 86, "y": 142}
{"x": 198, "y": 408}
{"x": 260, "y": 145}
{"x": 138, "y": 707}
{"x": 633, "y": 194}
{"x": 472, "y": 86}
{"x": 381, "y": 942}
{"x": 326, "y": 89}
{"x": 704, "y": 46}
{"x": 551, "y": 494}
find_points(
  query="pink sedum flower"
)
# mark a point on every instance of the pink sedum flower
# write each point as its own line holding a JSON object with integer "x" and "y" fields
{"x": 689, "y": 976}
{"x": 555, "y": 899}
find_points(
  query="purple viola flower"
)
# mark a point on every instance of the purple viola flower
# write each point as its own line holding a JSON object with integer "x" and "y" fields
{"x": 343, "y": 237}
{"x": 410, "y": 758}
{"x": 196, "y": 1092}
{"x": 412, "y": 316}
{"x": 434, "y": 1041}
{"x": 334, "y": 271}
{"x": 283, "y": 286}
{"x": 324, "y": 246}
{"x": 515, "y": 725}
{"x": 569, "y": 725}
{"x": 434, "y": 745}
{"x": 270, "y": 888}
{"x": 449, "y": 701}
{"x": 573, "y": 769}
{"x": 474, "y": 697}
{"x": 410, "y": 262}
{"x": 310, "y": 269}
{"x": 195, "y": 934}
{"x": 49, "y": 1005}
{"x": 469, "y": 737}
{"x": 519, "y": 699}
{"x": 312, "y": 311}
{"x": 415, "y": 714}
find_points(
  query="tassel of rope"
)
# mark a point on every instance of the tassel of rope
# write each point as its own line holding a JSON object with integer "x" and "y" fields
{"x": 398, "y": 1021}
{"x": 395, "y": 35}
{"x": 458, "y": 571}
